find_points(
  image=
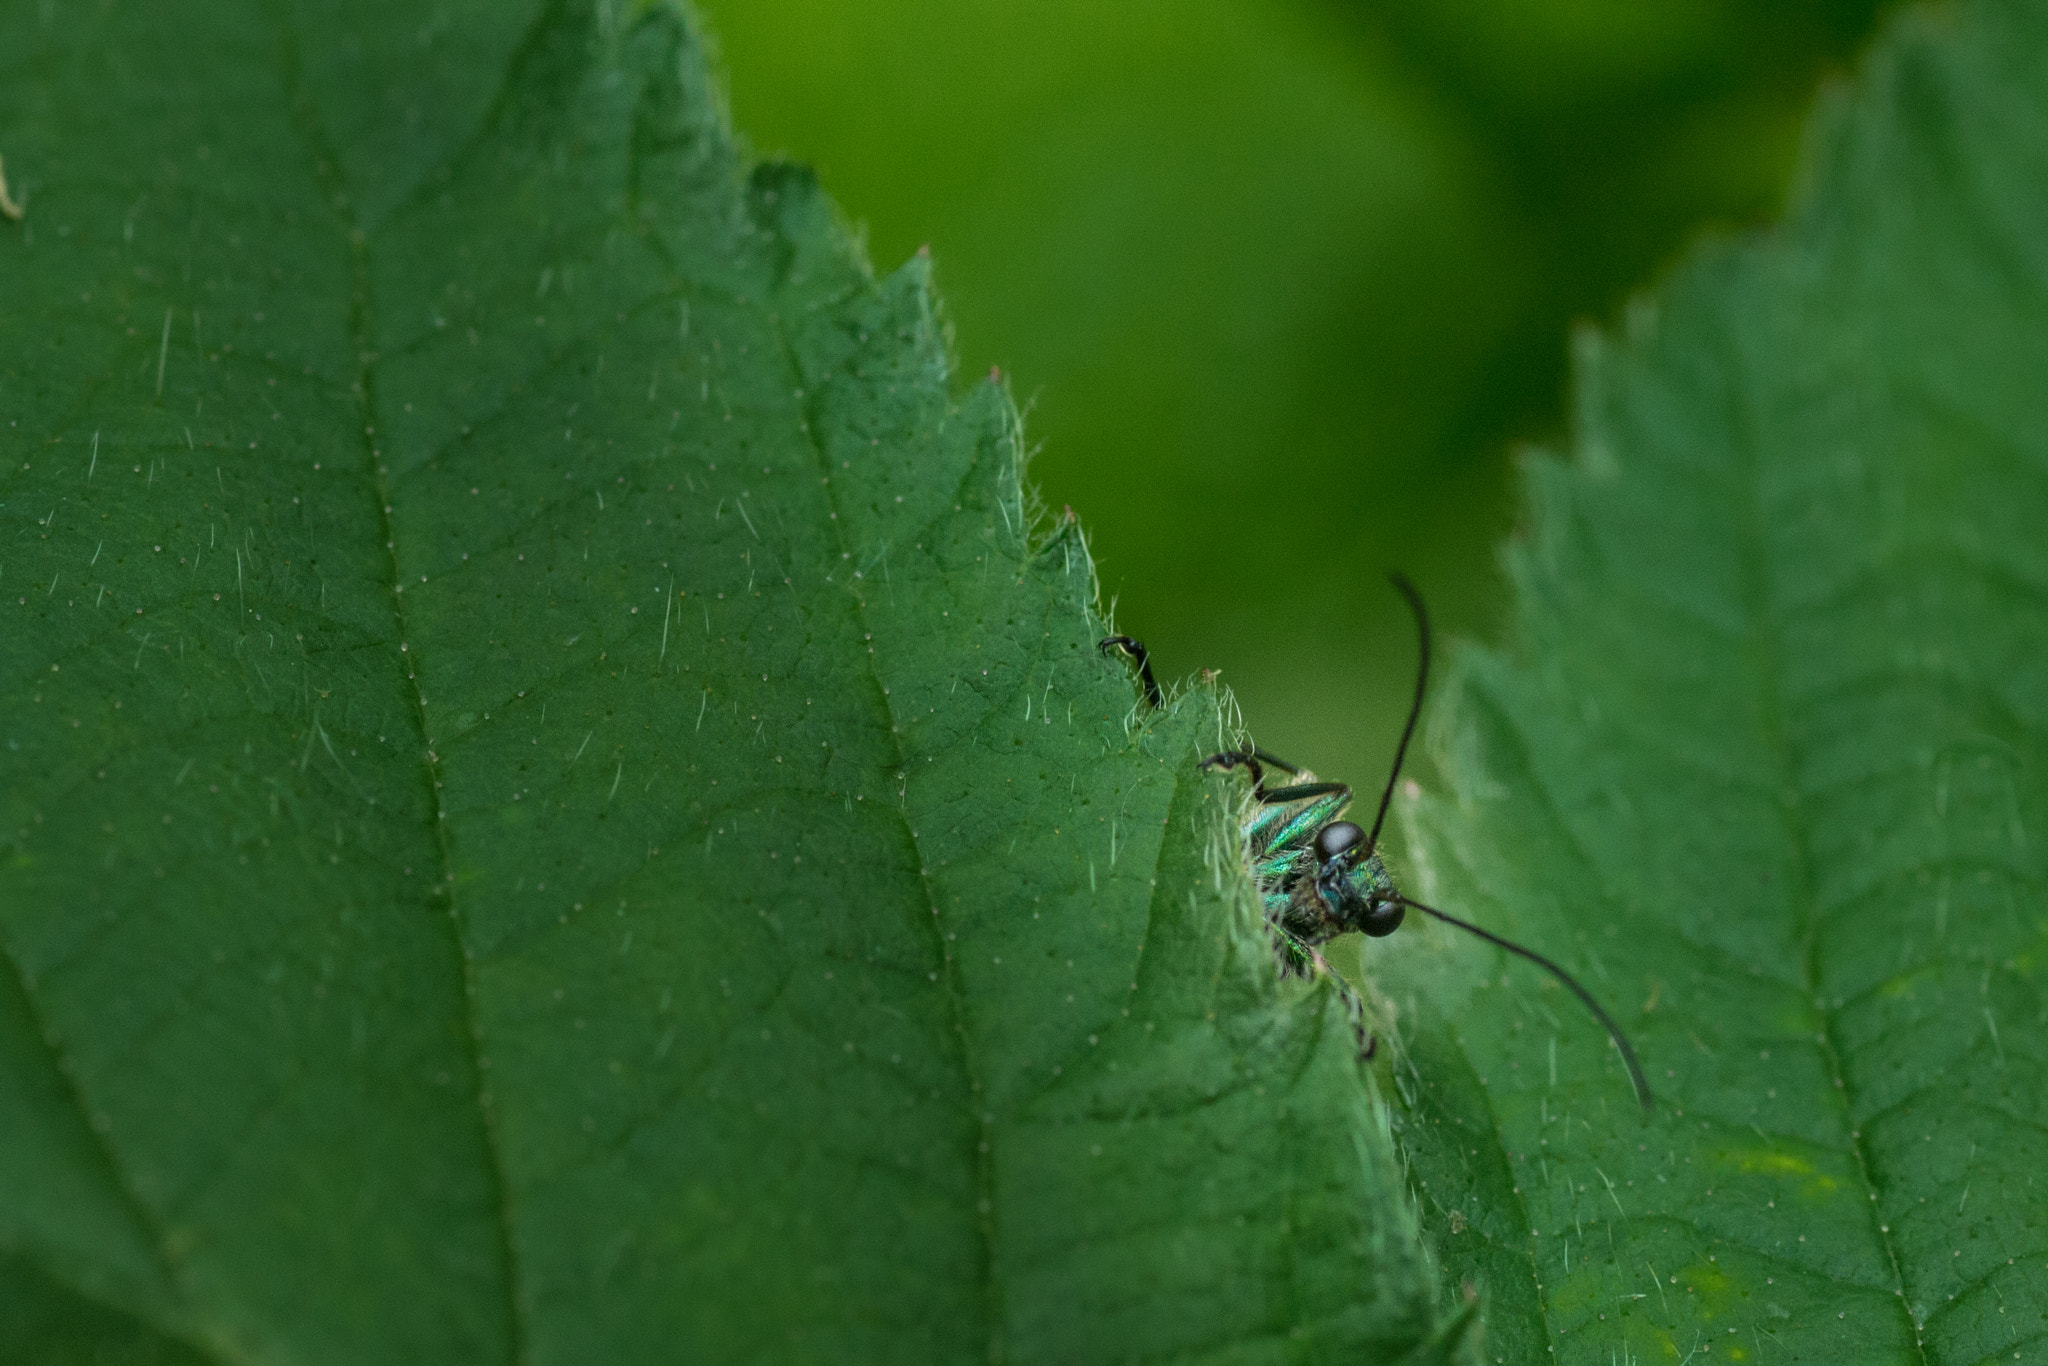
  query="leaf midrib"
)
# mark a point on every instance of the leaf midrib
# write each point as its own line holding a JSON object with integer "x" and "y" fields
{"x": 361, "y": 309}
{"x": 1767, "y": 685}
{"x": 981, "y": 1156}
{"x": 1768, "y": 675}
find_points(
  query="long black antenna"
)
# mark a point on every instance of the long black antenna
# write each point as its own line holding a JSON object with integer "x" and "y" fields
{"x": 1628, "y": 1054}
{"x": 1407, "y": 589}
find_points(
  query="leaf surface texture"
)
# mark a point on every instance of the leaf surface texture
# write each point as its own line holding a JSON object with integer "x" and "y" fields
{"x": 1768, "y": 768}
{"x": 554, "y": 805}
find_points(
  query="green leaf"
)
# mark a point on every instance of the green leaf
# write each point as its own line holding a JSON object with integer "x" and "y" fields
{"x": 1768, "y": 768}
{"x": 554, "y": 807}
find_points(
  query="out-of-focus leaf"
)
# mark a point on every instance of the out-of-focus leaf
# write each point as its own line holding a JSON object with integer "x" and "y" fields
{"x": 1768, "y": 768}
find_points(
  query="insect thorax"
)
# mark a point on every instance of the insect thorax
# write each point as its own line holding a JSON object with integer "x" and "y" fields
{"x": 1281, "y": 839}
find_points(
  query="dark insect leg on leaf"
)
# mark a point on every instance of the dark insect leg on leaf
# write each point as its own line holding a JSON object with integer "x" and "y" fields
{"x": 1258, "y": 761}
{"x": 1136, "y": 650}
{"x": 1277, "y": 795}
{"x": 1294, "y": 953}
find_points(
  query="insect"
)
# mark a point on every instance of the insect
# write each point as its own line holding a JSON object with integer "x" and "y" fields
{"x": 1319, "y": 875}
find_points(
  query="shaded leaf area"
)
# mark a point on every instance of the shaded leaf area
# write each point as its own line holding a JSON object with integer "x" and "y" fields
{"x": 554, "y": 807}
{"x": 1770, "y": 771}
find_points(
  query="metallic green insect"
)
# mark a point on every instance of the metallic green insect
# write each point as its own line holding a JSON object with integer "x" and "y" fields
{"x": 1320, "y": 875}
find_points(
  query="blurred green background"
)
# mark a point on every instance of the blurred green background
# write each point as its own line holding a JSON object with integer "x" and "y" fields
{"x": 1284, "y": 283}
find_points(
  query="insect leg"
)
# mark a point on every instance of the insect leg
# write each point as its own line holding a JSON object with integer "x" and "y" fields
{"x": 1257, "y": 760}
{"x": 1139, "y": 656}
{"x": 1231, "y": 758}
{"x": 1301, "y": 790}
{"x": 1354, "y": 1006}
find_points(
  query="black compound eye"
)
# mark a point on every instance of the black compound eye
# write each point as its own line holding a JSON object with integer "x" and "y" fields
{"x": 1336, "y": 838}
{"x": 1382, "y": 918}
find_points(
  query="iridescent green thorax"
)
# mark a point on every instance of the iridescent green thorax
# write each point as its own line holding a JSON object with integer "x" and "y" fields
{"x": 1281, "y": 840}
